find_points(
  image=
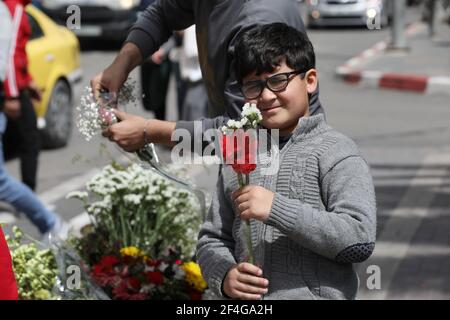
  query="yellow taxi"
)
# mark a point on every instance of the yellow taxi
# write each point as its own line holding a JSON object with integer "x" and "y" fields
{"x": 54, "y": 63}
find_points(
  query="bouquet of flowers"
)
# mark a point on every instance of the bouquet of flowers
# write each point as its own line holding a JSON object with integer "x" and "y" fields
{"x": 142, "y": 235}
{"x": 35, "y": 269}
{"x": 94, "y": 115}
{"x": 132, "y": 275}
{"x": 144, "y": 219}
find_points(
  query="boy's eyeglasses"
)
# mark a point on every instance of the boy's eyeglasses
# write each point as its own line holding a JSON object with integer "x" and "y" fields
{"x": 276, "y": 83}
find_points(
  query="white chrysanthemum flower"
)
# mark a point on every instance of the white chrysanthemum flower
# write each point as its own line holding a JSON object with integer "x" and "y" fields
{"x": 234, "y": 124}
{"x": 133, "y": 199}
{"x": 77, "y": 194}
{"x": 251, "y": 114}
{"x": 105, "y": 204}
{"x": 249, "y": 109}
{"x": 116, "y": 188}
{"x": 244, "y": 121}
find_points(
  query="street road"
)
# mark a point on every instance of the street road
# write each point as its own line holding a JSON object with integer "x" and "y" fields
{"x": 404, "y": 137}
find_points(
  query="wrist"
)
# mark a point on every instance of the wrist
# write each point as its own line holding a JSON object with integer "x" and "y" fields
{"x": 222, "y": 286}
{"x": 145, "y": 133}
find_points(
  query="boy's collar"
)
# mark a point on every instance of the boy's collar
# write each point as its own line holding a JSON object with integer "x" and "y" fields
{"x": 308, "y": 126}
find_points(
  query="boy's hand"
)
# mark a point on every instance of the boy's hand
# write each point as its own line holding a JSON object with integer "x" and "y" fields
{"x": 245, "y": 281}
{"x": 253, "y": 202}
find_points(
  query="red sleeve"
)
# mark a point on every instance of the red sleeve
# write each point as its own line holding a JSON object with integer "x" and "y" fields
{"x": 17, "y": 76}
{"x": 8, "y": 287}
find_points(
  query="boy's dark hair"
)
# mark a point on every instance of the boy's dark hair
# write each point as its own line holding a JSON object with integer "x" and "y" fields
{"x": 263, "y": 47}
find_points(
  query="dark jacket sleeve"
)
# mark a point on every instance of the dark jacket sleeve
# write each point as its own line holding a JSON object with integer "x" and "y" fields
{"x": 156, "y": 24}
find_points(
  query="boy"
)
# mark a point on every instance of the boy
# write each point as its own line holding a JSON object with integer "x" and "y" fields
{"x": 313, "y": 219}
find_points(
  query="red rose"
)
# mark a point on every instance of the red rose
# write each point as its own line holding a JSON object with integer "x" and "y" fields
{"x": 134, "y": 283}
{"x": 239, "y": 150}
{"x": 97, "y": 270}
{"x": 109, "y": 261}
{"x": 155, "y": 277}
{"x": 153, "y": 263}
{"x": 195, "y": 295}
{"x": 106, "y": 264}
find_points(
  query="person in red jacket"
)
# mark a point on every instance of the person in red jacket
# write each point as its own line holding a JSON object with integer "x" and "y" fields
{"x": 8, "y": 286}
{"x": 19, "y": 90}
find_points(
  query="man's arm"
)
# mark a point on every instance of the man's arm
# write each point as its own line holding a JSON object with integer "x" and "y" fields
{"x": 112, "y": 78}
{"x": 152, "y": 29}
{"x": 158, "y": 21}
{"x": 133, "y": 132}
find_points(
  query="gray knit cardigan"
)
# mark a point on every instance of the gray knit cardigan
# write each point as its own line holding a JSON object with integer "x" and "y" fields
{"x": 322, "y": 220}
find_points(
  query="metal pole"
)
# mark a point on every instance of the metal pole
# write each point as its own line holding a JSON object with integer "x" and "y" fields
{"x": 398, "y": 41}
{"x": 431, "y": 22}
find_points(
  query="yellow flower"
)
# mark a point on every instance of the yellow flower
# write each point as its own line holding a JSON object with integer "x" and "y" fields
{"x": 133, "y": 252}
{"x": 194, "y": 276}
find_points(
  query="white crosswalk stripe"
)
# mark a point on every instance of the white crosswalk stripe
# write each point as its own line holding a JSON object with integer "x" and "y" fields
{"x": 394, "y": 241}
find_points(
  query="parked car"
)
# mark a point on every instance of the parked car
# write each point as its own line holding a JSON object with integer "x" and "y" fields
{"x": 322, "y": 13}
{"x": 106, "y": 19}
{"x": 54, "y": 63}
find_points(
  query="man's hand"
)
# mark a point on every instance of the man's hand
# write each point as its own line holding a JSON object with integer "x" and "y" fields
{"x": 128, "y": 133}
{"x": 35, "y": 92}
{"x": 253, "y": 202}
{"x": 245, "y": 281}
{"x": 12, "y": 108}
{"x": 112, "y": 78}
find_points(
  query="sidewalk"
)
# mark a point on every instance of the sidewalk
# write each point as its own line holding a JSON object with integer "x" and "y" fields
{"x": 424, "y": 68}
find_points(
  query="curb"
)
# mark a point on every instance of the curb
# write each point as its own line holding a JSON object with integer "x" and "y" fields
{"x": 352, "y": 72}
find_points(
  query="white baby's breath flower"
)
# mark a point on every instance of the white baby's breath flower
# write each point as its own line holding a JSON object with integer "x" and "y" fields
{"x": 92, "y": 117}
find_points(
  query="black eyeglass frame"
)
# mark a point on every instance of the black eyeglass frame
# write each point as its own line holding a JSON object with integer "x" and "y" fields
{"x": 264, "y": 83}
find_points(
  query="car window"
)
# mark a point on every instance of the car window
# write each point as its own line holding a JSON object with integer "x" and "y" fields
{"x": 36, "y": 31}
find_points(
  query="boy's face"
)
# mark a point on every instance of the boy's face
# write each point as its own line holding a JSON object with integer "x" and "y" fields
{"x": 282, "y": 110}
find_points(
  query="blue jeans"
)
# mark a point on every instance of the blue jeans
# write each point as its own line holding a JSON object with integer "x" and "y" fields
{"x": 20, "y": 196}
